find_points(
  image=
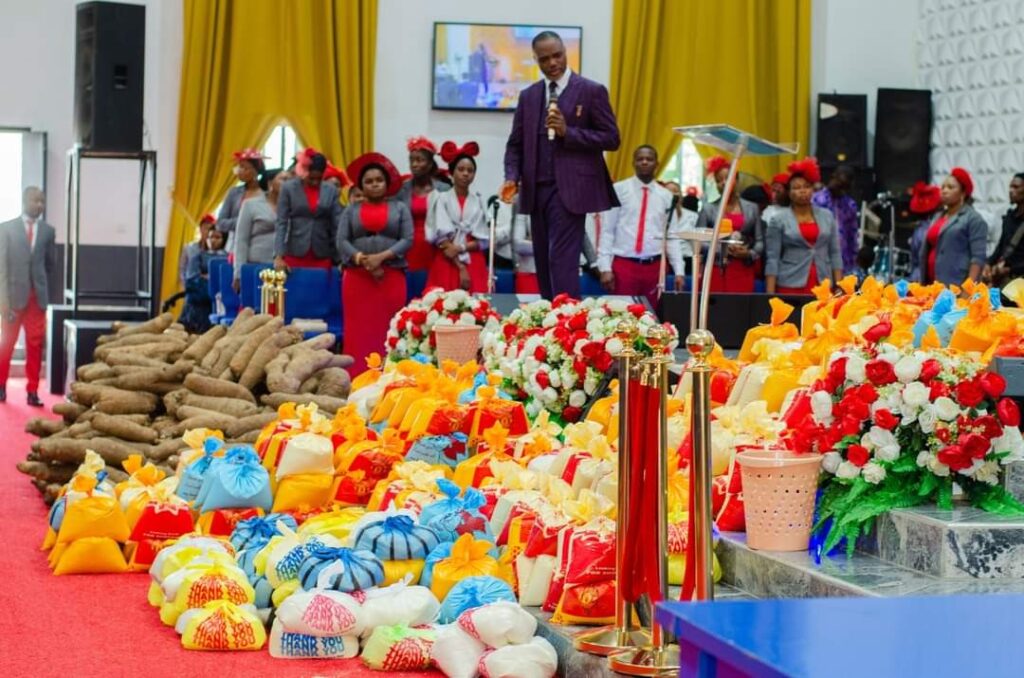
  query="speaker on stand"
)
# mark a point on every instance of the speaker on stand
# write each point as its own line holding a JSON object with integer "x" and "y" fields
{"x": 842, "y": 130}
{"x": 903, "y": 132}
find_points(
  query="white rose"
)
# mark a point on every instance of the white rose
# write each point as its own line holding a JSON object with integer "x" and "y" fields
{"x": 946, "y": 409}
{"x": 988, "y": 473}
{"x": 549, "y": 395}
{"x": 883, "y": 442}
{"x": 556, "y": 379}
{"x": 1011, "y": 441}
{"x": 973, "y": 468}
{"x": 873, "y": 473}
{"x": 614, "y": 346}
{"x": 908, "y": 413}
{"x": 432, "y": 317}
{"x": 908, "y": 369}
{"x": 450, "y": 304}
{"x": 855, "y": 369}
{"x": 831, "y": 462}
{"x": 617, "y": 306}
{"x": 578, "y": 399}
{"x": 821, "y": 406}
{"x": 916, "y": 394}
{"x": 467, "y": 319}
{"x": 594, "y": 326}
{"x": 924, "y": 457}
{"x": 589, "y": 385}
{"x": 926, "y": 419}
{"x": 847, "y": 470}
{"x": 937, "y": 467}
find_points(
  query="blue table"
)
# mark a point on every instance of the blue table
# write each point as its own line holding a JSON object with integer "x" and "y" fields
{"x": 833, "y": 637}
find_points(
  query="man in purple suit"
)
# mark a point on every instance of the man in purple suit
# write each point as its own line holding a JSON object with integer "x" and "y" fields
{"x": 554, "y": 158}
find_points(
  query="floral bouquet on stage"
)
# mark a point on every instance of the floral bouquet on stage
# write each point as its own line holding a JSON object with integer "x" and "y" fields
{"x": 553, "y": 355}
{"x": 411, "y": 331}
{"x": 900, "y": 427}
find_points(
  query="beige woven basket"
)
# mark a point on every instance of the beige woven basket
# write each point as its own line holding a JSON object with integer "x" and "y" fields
{"x": 457, "y": 342}
{"x": 778, "y": 498}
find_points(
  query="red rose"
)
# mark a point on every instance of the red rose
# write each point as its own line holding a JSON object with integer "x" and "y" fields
{"x": 603, "y": 362}
{"x": 540, "y": 354}
{"x": 969, "y": 393}
{"x": 878, "y": 331}
{"x": 989, "y": 426}
{"x": 837, "y": 370}
{"x": 857, "y": 455}
{"x": 880, "y": 372}
{"x": 929, "y": 370}
{"x": 432, "y": 339}
{"x": 417, "y": 331}
{"x": 865, "y": 393}
{"x": 509, "y": 330}
{"x": 561, "y": 300}
{"x": 636, "y": 309}
{"x": 571, "y": 414}
{"x": 937, "y": 390}
{"x": 954, "y": 457}
{"x": 848, "y": 426}
{"x": 439, "y": 305}
{"x": 580, "y": 367}
{"x": 974, "y": 445}
{"x": 392, "y": 342}
{"x": 942, "y": 433}
{"x": 721, "y": 385}
{"x": 886, "y": 419}
{"x": 1008, "y": 412}
{"x": 992, "y": 384}
{"x": 543, "y": 380}
{"x": 578, "y": 322}
{"x": 853, "y": 408}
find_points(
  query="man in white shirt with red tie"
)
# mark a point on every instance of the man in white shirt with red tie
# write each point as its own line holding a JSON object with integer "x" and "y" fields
{"x": 633, "y": 235}
{"x": 27, "y": 255}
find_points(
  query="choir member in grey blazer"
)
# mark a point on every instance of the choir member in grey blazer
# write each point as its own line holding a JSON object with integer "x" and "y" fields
{"x": 302, "y": 231}
{"x": 789, "y": 257}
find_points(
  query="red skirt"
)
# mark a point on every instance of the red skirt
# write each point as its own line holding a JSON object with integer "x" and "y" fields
{"x": 812, "y": 282}
{"x": 444, "y": 273}
{"x": 369, "y": 306}
{"x": 737, "y": 277}
{"x": 421, "y": 253}
{"x": 527, "y": 283}
{"x": 308, "y": 260}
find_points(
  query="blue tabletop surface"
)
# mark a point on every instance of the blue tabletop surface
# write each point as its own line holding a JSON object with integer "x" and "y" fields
{"x": 959, "y": 636}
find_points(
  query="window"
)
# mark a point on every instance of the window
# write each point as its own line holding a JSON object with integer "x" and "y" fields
{"x": 281, "y": 147}
{"x": 685, "y": 167}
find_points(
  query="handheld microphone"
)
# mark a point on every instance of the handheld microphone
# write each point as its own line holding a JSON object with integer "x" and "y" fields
{"x": 493, "y": 201}
{"x": 552, "y": 105}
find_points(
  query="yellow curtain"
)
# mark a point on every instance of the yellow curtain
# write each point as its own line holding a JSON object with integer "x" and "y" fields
{"x": 246, "y": 66}
{"x": 741, "y": 62}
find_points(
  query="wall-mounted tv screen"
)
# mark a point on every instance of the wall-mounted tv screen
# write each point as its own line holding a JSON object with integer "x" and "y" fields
{"x": 485, "y": 66}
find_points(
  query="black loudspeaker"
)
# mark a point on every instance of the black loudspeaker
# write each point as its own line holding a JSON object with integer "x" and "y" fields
{"x": 842, "y": 130}
{"x": 110, "y": 69}
{"x": 903, "y": 132}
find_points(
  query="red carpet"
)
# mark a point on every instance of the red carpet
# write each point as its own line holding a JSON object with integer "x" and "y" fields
{"x": 95, "y": 625}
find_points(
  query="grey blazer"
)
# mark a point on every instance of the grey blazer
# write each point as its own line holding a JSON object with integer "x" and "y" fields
{"x": 298, "y": 230}
{"x": 405, "y": 192}
{"x": 227, "y": 217}
{"x": 961, "y": 243}
{"x": 753, "y": 227}
{"x": 788, "y": 257}
{"x": 23, "y": 269}
{"x": 395, "y": 236}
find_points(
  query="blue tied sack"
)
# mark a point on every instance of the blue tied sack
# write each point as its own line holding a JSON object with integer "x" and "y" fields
{"x": 192, "y": 477}
{"x": 396, "y": 538}
{"x": 340, "y": 569}
{"x": 57, "y": 511}
{"x": 995, "y": 298}
{"x": 469, "y": 395}
{"x": 947, "y": 325}
{"x": 254, "y": 533}
{"x": 236, "y": 481}
{"x": 902, "y": 288}
{"x": 944, "y": 304}
{"x": 453, "y": 524}
{"x": 474, "y": 592}
{"x": 451, "y": 502}
{"x": 449, "y": 450}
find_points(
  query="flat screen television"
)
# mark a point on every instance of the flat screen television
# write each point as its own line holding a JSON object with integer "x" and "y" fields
{"x": 483, "y": 67}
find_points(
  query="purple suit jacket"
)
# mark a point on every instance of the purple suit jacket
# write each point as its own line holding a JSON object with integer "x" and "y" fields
{"x": 580, "y": 172}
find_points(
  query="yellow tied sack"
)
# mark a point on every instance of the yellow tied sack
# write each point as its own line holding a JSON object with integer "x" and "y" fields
{"x": 778, "y": 328}
{"x": 983, "y": 326}
{"x": 90, "y": 555}
{"x": 205, "y": 584}
{"x": 93, "y": 516}
{"x": 469, "y": 558}
{"x": 222, "y": 625}
{"x": 337, "y": 523}
{"x": 303, "y": 490}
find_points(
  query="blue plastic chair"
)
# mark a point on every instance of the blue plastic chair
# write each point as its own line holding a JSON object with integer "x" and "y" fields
{"x": 335, "y": 313}
{"x": 590, "y": 286}
{"x": 307, "y": 293}
{"x": 415, "y": 281}
{"x": 251, "y": 285}
{"x": 228, "y": 296}
{"x": 506, "y": 281}
{"x": 213, "y": 285}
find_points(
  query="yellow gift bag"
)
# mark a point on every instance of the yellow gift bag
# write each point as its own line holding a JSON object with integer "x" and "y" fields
{"x": 90, "y": 555}
{"x": 222, "y": 625}
{"x": 777, "y": 329}
{"x": 469, "y": 558}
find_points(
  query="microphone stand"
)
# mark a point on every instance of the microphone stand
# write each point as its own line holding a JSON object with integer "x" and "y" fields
{"x": 490, "y": 250}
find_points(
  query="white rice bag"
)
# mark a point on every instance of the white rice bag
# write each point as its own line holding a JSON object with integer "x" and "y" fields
{"x": 399, "y": 604}
{"x": 321, "y": 613}
{"x": 534, "y": 576}
{"x": 536, "y": 659}
{"x": 286, "y": 645}
{"x": 499, "y": 624}
{"x": 456, "y": 653}
{"x": 306, "y": 453}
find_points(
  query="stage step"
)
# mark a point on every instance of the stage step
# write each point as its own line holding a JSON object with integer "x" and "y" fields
{"x": 573, "y": 663}
{"x": 965, "y": 543}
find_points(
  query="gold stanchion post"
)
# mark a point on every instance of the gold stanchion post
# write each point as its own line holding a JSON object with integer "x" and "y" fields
{"x": 659, "y": 658}
{"x": 279, "y": 290}
{"x": 622, "y": 635}
{"x": 266, "y": 289}
{"x": 700, "y": 344}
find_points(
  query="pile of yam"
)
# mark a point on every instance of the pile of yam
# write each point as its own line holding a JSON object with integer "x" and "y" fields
{"x": 150, "y": 383}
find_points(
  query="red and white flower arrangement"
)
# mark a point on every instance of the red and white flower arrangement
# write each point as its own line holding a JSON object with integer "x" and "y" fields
{"x": 899, "y": 427}
{"x": 411, "y": 331}
{"x": 553, "y": 355}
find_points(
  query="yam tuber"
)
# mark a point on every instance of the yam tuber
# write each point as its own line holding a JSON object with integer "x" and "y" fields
{"x": 165, "y": 449}
{"x": 334, "y": 382}
{"x": 320, "y": 342}
{"x": 256, "y": 370}
{"x": 121, "y": 427}
{"x": 219, "y": 388}
{"x": 254, "y": 422}
{"x": 230, "y": 406}
{"x": 41, "y": 426}
{"x": 240, "y": 360}
{"x": 325, "y": 403}
{"x": 70, "y": 411}
{"x": 94, "y": 371}
{"x": 201, "y": 346}
{"x": 48, "y": 473}
{"x": 248, "y": 438}
{"x": 311, "y": 384}
{"x": 217, "y": 422}
{"x": 154, "y": 326}
{"x": 173, "y": 400}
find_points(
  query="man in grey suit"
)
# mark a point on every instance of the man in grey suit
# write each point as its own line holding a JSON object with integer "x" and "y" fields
{"x": 27, "y": 255}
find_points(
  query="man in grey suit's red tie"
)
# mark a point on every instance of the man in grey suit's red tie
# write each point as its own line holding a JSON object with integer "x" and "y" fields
{"x": 561, "y": 176}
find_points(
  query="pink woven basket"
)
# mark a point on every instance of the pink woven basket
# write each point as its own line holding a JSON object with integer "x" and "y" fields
{"x": 457, "y": 342}
{"x": 778, "y": 498}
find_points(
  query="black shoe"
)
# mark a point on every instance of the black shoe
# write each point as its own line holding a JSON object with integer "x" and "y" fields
{"x": 3, "y": 394}
{"x": 33, "y": 399}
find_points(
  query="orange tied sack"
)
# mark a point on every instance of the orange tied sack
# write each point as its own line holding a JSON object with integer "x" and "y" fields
{"x": 778, "y": 328}
{"x": 983, "y": 326}
{"x": 469, "y": 558}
